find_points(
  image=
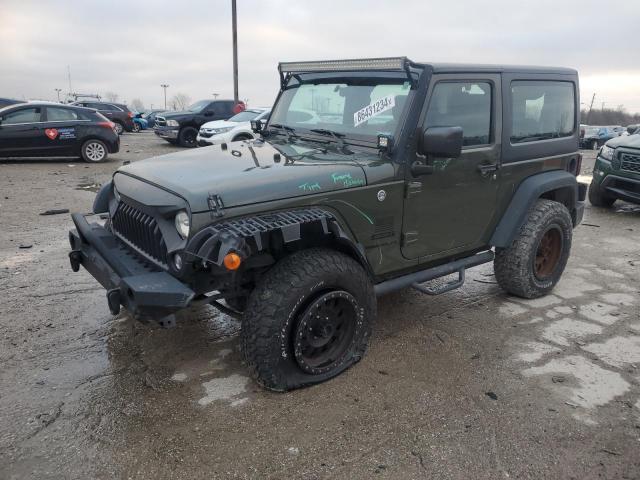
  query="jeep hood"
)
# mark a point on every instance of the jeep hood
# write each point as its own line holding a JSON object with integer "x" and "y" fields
{"x": 626, "y": 141}
{"x": 247, "y": 173}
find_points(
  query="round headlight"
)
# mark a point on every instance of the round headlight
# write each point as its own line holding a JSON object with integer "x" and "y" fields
{"x": 183, "y": 224}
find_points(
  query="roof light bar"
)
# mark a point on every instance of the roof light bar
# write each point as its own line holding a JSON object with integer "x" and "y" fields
{"x": 392, "y": 63}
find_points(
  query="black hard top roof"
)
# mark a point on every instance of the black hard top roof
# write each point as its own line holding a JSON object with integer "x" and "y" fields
{"x": 485, "y": 68}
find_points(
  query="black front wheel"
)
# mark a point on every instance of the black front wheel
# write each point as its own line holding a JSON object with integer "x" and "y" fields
{"x": 598, "y": 197}
{"x": 308, "y": 319}
{"x": 187, "y": 137}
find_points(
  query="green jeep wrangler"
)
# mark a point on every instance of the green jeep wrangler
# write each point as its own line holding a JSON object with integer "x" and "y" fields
{"x": 370, "y": 176}
{"x": 617, "y": 172}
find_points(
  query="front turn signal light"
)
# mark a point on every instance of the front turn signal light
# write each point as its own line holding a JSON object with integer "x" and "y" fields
{"x": 232, "y": 261}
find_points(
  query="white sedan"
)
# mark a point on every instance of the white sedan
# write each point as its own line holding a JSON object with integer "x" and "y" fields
{"x": 236, "y": 128}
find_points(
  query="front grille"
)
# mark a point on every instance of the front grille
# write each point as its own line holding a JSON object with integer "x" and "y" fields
{"x": 630, "y": 162}
{"x": 206, "y": 134}
{"x": 161, "y": 121}
{"x": 140, "y": 231}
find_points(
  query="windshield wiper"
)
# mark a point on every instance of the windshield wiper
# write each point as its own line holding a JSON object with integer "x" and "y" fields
{"x": 338, "y": 136}
{"x": 290, "y": 131}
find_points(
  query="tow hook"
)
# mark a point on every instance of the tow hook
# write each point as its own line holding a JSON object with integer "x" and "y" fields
{"x": 113, "y": 299}
{"x": 75, "y": 258}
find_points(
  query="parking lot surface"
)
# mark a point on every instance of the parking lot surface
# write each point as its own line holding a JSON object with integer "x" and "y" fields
{"x": 470, "y": 384}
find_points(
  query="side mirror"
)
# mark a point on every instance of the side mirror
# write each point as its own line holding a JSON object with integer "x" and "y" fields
{"x": 441, "y": 142}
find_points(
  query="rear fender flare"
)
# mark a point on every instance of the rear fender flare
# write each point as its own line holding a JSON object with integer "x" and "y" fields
{"x": 527, "y": 193}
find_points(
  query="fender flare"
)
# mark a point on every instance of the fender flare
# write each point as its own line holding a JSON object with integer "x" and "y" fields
{"x": 251, "y": 235}
{"x": 527, "y": 193}
{"x": 101, "y": 202}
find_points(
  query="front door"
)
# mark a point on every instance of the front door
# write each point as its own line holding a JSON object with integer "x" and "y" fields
{"x": 452, "y": 209}
{"x": 20, "y": 133}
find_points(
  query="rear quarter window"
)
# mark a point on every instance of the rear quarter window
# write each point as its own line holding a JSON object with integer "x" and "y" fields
{"x": 542, "y": 110}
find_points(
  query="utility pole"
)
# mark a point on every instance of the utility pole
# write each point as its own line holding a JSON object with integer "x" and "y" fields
{"x": 215, "y": 95}
{"x": 165, "y": 86}
{"x": 234, "y": 28}
{"x": 69, "y": 76}
{"x": 591, "y": 107}
{"x": 58, "y": 90}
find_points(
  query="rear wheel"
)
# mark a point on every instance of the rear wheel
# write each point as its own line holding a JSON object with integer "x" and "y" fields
{"x": 94, "y": 151}
{"x": 136, "y": 127}
{"x": 598, "y": 197}
{"x": 119, "y": 128}
{"x": 308, "y": 319}
{"x": 532, "y": 265}
{"x": 594, "y": 145}
{"x": 187, "y": 137}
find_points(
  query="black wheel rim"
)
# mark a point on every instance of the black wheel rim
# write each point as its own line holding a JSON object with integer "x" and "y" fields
{"x": 325, "y": 332}
{"x": 190, "y": 138}
{"x": 548, "y": 253}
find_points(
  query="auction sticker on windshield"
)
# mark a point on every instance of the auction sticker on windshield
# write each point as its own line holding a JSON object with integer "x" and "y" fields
{"x": 374, "y": 109}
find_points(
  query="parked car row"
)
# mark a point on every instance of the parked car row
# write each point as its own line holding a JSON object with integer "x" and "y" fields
{"x": 593, "y": 137}
{"x": 182, "y": 127}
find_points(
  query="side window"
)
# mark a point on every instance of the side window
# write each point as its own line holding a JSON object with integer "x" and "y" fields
{"x": 95, "y": 106}
{"x": 60, "y": 114}
{"x": 25, "y": 115}
{"x": 462, "y": 104}
{"x": 541, "y": 110}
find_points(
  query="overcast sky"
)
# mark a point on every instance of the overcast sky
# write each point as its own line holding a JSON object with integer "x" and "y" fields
{"x": 131, "y": 47}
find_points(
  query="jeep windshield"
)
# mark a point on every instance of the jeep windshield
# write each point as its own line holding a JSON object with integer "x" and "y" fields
{"x": 342, "y": 105}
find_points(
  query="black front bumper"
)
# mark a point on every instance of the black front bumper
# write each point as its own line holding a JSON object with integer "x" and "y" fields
{"x": 129, "y": 280}
{"x": 624, "y": 188}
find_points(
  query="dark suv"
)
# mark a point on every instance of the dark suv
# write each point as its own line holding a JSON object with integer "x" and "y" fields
{"x": 616, "y": 174}
{"x": 118, "y": 113}
{"x": 370, "y": 176}
{"x": 182, "y": 127}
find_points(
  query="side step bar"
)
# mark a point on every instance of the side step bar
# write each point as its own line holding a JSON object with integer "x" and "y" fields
{"x": 416, "y": 278}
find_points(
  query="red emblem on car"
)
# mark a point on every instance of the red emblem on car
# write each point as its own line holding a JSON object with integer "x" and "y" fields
{"x": 52, "y": 133}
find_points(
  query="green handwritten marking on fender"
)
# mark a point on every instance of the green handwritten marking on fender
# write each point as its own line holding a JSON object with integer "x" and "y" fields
{"x": 354, "y": 207}
{"x": 346, "y": 180}
{"x": 310, "y": 187}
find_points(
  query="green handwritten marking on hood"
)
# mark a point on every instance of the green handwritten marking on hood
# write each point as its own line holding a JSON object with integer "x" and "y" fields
{"x": 248, "y": 173}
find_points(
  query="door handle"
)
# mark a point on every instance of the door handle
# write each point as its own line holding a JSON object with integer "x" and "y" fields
{"x": 418, "y": 169}
{"x": 487, "y": 168}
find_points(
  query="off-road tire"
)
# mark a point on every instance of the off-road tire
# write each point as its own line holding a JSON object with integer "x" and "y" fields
{"x": 284, "y": 297}
{"x": 94, "y": 151}
{"x": 187, "y": 137}
{"x": 598, "y": 197}
{"x": 119, "y": 128}
{"x": 515, "y": 266}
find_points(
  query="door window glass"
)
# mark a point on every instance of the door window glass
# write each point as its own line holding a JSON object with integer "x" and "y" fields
{"x": 542, "y": 110}
{"x": 462, "y": 104}
{"x": 60, "y": 114}
{"x": 26, "y": 115}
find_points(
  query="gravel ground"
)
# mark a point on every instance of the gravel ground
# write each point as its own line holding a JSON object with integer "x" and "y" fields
{"x": 471, "y": 384}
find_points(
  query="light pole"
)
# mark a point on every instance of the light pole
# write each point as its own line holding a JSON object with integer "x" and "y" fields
{"x": 215, "y": 95}
{"x": 165, "y": 86}
{"x": 234, "y": 28}
{"x": 58, "y": 90}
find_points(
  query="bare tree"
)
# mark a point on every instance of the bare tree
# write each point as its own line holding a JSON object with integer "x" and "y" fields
{"x": 180, "y": 101}
{"x": 137, "y": 105}
{"x": 111, "y": 96}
